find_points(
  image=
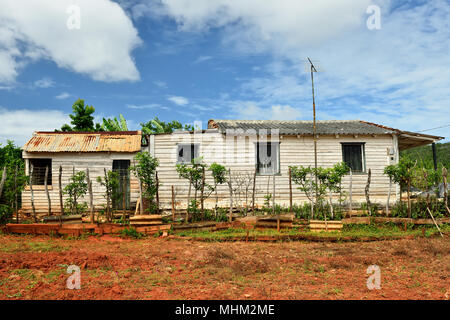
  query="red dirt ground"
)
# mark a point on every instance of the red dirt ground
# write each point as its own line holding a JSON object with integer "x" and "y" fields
{"x": 34, "y": 267}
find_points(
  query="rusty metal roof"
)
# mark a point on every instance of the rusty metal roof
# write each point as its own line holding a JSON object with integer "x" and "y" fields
{"x": 123, "y": 141}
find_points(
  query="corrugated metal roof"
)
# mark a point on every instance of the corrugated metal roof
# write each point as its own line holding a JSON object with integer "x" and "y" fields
{"x": 303, "y": 127}
{"x": 125, "y": 141}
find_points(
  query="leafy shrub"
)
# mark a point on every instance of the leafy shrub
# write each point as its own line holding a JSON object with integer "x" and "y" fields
{"x": 131, "y": 232}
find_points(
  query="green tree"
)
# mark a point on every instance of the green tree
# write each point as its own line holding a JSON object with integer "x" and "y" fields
{"x": 111, "y": 185}
{"x": 145, "y": 171}
{"x": 218, "y": 172}
{"x": 82, "y": 118}
{"x": 331, "y": 178}
{"x": 402, "y": 173}
{"x": 193, "y": 172}
{"x": 11, "y": 158}
{"x": 157, "y": 126}
{"x": 75, "y": 190}
{"x": 424, "y": 155}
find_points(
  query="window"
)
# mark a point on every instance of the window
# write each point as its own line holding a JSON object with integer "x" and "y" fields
{"x": 267, "y": 157}
{"x": 353, "y": 155}
{"x": 187, "y": 152}
{"x": 39, "y": 166}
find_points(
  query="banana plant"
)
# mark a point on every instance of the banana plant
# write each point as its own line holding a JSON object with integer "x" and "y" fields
{"x": 114, "y": 124}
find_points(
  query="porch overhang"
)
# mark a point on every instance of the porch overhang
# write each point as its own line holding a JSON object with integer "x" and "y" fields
{"x": 408, "y": 140}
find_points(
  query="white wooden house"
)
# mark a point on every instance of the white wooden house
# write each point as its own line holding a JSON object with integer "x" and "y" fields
{"x": 267, "y": 146}
{"x": 79, "y": 151}
{"x": 271, "y": 146}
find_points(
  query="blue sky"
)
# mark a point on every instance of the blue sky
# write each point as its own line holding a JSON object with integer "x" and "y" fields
{"x": 193, "y": 60}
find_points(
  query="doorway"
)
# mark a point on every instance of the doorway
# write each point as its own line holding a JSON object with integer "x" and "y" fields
{"x": 122, "y": 168}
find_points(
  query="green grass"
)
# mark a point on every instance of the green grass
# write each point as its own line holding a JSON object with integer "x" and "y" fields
{"x": 353, "y": 231}
{"x": 31, "y": 246}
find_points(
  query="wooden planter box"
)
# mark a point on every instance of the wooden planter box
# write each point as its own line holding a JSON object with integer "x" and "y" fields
{"x": 319, "y": 225}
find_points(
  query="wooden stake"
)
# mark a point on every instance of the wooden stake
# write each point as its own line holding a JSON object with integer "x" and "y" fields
{"x": 389, "y": 197}
{"x": 108, "y": 201}
{"x": 231, "y": 195}
{"x": 173, "y": 204}
{"x": 290, "y": 190}
{"x": 61, "y": 204}
{"x": 350, "y": 192}
{"x": 157, "y": 192}
{"x": 273, "y": 196}
{"x": 409, "y": 197}
{"x": 32, "y": 194}
{"x": 141, "y": 200}
{"x": 189, "y": 198}
{"x": 331, "y": 204}
{"x": 16, "y": 202}
{"x": 444, "y": 180}
{"x": 254, "y": 191}
{"x": 2, "y": 182}
{"x": 137, "y": 207}
{"x": 435, "y": 222}
{"x": 366, "y": 190}
{"x": 91, "y": 196}
{"x": 202, "y": 191}
{"x": 124, "y": 197}
{"x": 47, "y": 193}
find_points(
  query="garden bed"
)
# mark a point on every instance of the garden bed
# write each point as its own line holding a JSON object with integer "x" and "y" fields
{"x": 80, "y": 229}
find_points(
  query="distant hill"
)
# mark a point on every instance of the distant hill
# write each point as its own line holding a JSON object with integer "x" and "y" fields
{"x": 424, "y": 155}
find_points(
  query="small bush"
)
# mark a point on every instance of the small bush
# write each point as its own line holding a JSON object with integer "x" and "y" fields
{"x": 131, "y": 232}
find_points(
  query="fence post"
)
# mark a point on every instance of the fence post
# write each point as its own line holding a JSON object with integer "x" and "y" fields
{"x": 124, "y": 197}
{"x": 61, "y": 204}
{"x": 444, "y": 180}
{"x": 189, "y": 198}
{"x": 369, "y": 209}
{"x": 173, "y": 205}
{"x": 32, "y": 194}
{"x": 2, "y": 182}
{"x": 16, "y": 202}
{"x": 231, "y": 195}
{"x": 91, "y": 197}
{"x": 47, "y": 193}
{"x": 351, "y": 193}
{"x": 108, "y": 201}
{"x": 290, "y": 190}
{"x": 141, "y": 203}
{"x": 254, "y": 191}
{"x": 157, "y": 192}
{"x": 273, "y": 198}
{"x": 202, "y": 191}
{"x": 389, "y": 197}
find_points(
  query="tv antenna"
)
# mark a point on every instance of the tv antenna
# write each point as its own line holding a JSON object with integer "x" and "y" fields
{"x": 313, "y": 69}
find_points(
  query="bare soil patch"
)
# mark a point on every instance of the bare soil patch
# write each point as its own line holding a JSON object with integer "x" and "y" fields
{"x": 34, "y": 267}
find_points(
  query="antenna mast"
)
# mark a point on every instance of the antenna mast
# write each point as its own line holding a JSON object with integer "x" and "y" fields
{"x": 313, "y": 69}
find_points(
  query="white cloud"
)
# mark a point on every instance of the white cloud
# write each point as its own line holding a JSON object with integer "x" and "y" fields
{"x": 147, "y": 106}
{"x": 278, "y": 25}
{"x": 397, "y": 75}
{"x": 34, "y": 30}
{"x": 19, "y": 125}
{"x": 160, "y": 84}
{"x": 44, "y": 83}
{"x": 250, "y": 110}
{"x": 179, "y": 101}
{"x": 201, "y": 59}
{"x": 63, "y": 95}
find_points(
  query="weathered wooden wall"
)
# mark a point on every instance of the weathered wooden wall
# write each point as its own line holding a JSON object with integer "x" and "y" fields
{"x": 293, "y": 151}
{"x": 96, "y": 162}
{"x": 239, "y": 156}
